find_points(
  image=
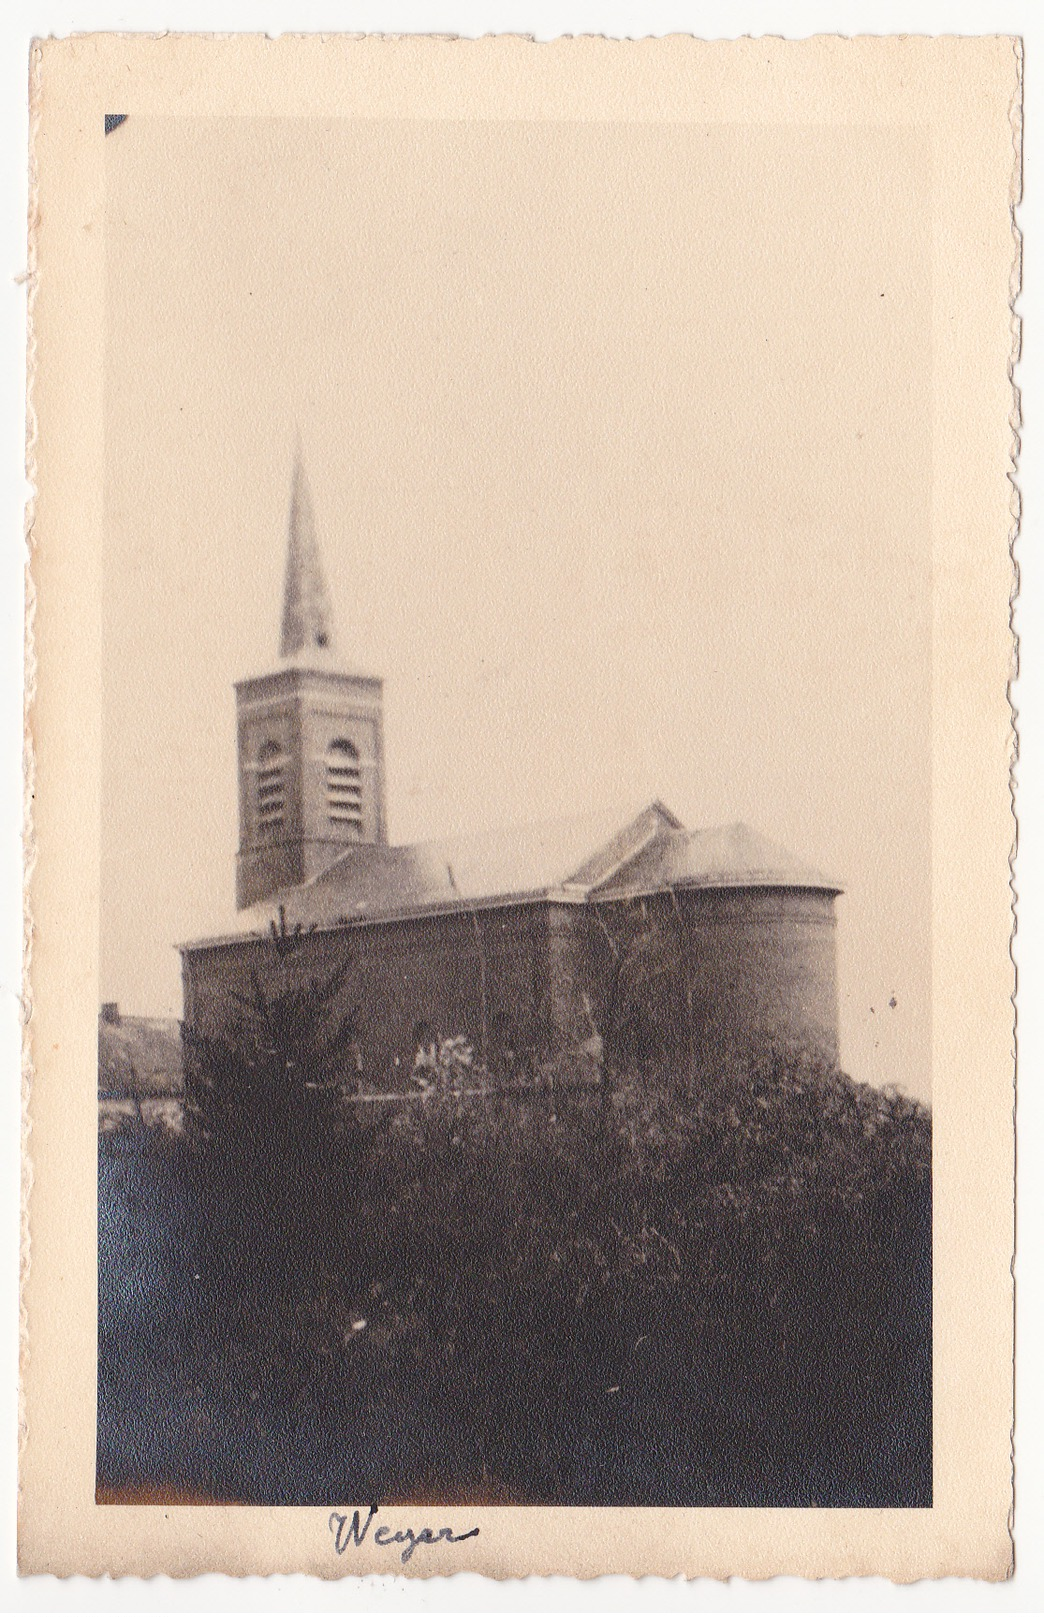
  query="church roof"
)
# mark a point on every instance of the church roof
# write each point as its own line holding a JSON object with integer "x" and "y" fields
{"x": 722, "y": 856}
{"x": 306, "y": 636}
{"x": 590, "y": 858}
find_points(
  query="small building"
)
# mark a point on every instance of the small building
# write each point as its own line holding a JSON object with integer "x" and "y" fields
{"x": 139, "y": 1057}
{"x": 542, "y": 943}
{"x": 140, "y": 1071}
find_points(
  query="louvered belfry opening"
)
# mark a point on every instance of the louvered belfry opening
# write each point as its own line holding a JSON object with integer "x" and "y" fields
{"x": 344, "y": 786}
{"x": 271, "y": 786}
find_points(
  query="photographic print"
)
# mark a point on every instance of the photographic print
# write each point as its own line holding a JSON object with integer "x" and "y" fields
{"x": 517, "y": 667}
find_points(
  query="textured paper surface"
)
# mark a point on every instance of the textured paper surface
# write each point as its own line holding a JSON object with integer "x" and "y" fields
{"x": 953, "y": 104}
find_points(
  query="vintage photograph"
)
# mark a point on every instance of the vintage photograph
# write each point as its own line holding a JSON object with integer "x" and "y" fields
{"x": 515, "y": 999}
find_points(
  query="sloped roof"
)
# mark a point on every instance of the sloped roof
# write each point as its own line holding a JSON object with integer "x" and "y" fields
{"x": 723, "y": 856}
{"x": 590, "y": 858}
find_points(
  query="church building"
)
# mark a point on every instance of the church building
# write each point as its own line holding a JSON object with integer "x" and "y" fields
{"x": 538, "y": 944}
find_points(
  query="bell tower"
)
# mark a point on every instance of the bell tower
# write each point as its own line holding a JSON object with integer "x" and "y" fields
{"x": 310, "y": 737}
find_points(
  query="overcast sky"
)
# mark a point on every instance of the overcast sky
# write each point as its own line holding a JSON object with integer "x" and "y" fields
{"x": 621, "y": 465}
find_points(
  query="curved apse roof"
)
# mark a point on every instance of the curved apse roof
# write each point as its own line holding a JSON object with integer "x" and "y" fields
{"x": 589, "y": 859}
{"x": 721, "y": 856}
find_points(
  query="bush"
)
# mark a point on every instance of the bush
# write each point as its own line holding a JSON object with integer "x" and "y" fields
{"x": 638, "y": 1293}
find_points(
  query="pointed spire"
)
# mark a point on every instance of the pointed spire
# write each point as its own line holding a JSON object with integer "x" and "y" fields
{"x": 307, "y": 623}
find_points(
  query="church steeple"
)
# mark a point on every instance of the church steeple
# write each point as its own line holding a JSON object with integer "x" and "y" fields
{"x": 307, "y": 622}
{"x": 311, "y": 745}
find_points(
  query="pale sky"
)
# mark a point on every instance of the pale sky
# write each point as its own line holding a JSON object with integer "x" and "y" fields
{"x": 620, "y": 452}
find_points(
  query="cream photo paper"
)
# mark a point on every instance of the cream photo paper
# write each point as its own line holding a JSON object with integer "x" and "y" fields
{"x": 519, "y": 1072}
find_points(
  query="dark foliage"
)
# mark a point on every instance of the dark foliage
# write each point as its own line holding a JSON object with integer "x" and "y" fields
{"x": 641, "y": 1294}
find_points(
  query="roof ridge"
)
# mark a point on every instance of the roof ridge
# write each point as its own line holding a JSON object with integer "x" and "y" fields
{"x": 657, "y": 813}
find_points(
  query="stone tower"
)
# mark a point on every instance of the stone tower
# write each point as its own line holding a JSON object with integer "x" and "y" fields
{"x": 310, "y": 741}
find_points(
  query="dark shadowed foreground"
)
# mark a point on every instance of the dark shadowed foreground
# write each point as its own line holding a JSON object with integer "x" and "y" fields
{"x": 621, "y": 1295}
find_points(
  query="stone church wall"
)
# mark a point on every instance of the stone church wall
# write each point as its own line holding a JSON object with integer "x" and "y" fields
{"x": 701, "y": 981}
{"x": 714, "y": 977}
{"x": 435, "y": 971}
{"x": 764, "y": 971}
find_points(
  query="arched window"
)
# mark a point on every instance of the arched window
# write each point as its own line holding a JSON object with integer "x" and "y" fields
{"x": 271, "y": 788}
{"x": 344, "y": 785}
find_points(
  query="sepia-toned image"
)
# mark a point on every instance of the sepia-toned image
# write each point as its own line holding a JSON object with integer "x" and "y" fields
{"x": 501, "y": 721}
{"x": 517, "y": 992}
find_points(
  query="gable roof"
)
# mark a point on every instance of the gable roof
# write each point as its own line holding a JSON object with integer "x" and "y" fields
{"x": 590, "y": 858}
